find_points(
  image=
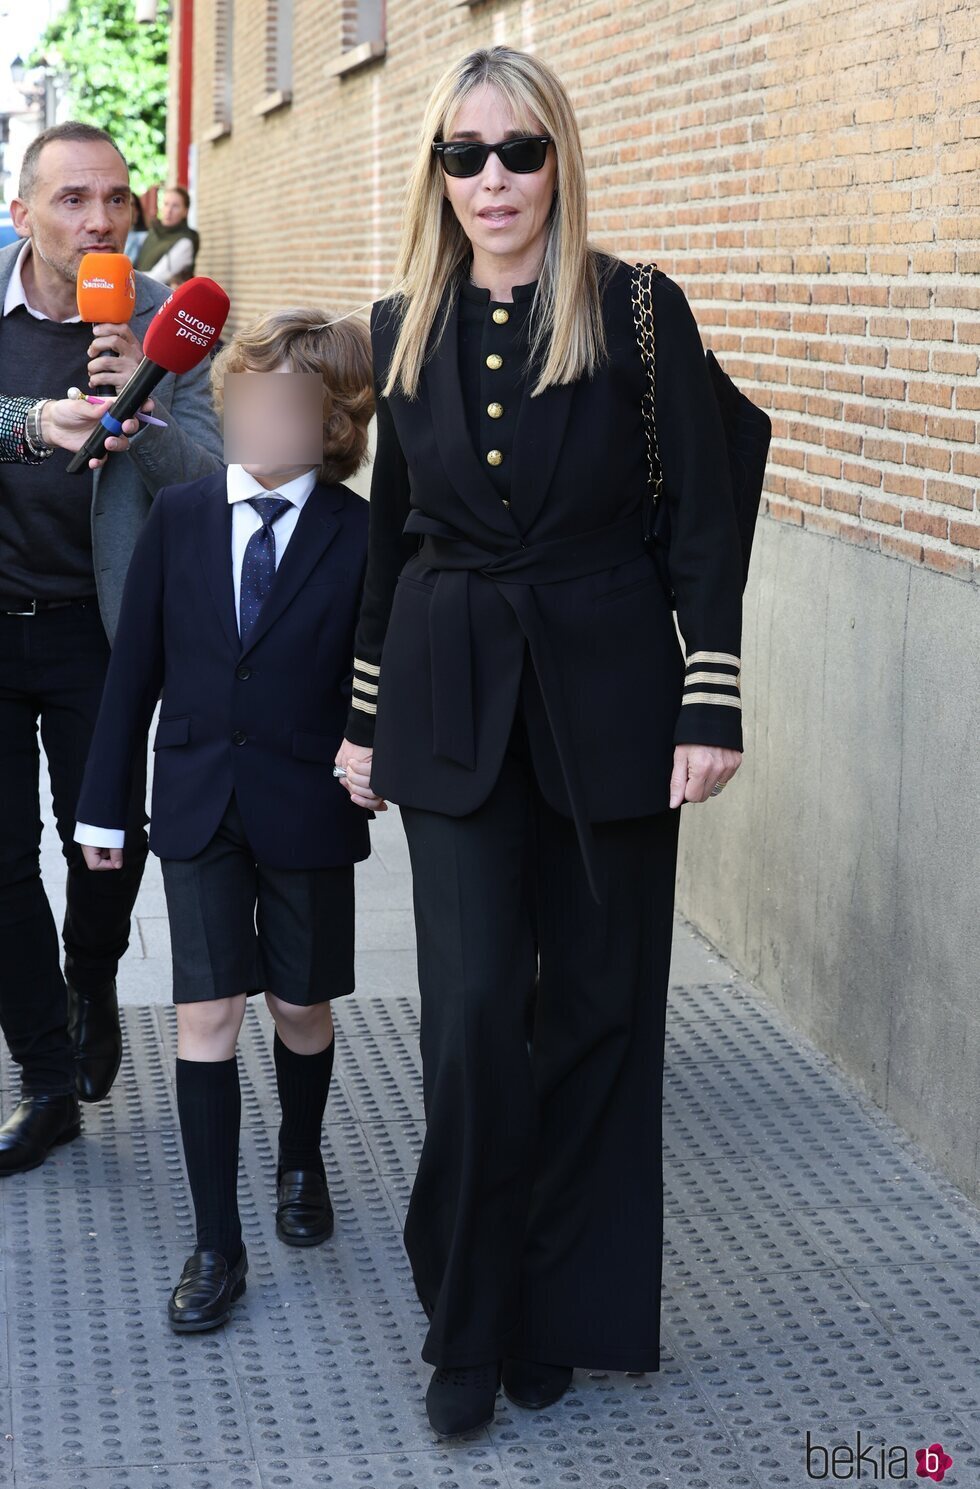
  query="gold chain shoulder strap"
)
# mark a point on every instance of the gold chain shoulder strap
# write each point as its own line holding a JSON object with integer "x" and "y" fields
{"x": 642, "y": 295}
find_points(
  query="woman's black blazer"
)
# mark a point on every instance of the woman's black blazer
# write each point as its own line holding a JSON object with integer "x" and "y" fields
{"x": 461, "y": 588}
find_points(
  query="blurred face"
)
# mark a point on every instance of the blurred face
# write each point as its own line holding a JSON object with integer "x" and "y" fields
{"x": 172, "y": 209}
{"x": 273, "y": 421}
{"x": 80, "y": 204}
{"x": 501, "y": 212}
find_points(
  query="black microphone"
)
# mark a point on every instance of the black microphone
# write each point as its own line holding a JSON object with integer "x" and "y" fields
{"x": 179, "y": 336}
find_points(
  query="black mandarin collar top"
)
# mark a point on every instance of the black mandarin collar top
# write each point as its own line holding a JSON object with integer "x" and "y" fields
{"x": 481, "y": 296}
{"x": 493, "y": 395}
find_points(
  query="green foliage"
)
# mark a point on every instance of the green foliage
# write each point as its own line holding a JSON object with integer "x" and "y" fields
{"x": 117, "y": 78}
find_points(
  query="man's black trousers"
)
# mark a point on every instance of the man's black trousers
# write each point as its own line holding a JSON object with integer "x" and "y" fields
{"x": 52, "y": 671}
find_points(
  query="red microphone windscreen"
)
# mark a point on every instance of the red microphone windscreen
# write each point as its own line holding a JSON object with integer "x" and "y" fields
{"x": 105, "y": 288}
{"x": 187, "y": 325}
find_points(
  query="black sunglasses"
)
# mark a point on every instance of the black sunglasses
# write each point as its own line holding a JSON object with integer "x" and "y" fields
{"x": 523, "y": 154}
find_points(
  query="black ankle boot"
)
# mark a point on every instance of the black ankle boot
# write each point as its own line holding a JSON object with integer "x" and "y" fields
{"x": 93, "y": 1028}
{"x": 533, "y": 1385}
{"x": 461, "y": 1398}
{"x": 39, "y": 1124}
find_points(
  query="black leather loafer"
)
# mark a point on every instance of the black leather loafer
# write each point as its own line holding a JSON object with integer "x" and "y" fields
{"x": 207, "y": 1288}
{"x": 304, "y": 1214}
{"x": 535, "y": 1386}
{"x": 461, "y": 1398}
{"x": 39, "y": 1124}
{"x": 93, "y": 1028}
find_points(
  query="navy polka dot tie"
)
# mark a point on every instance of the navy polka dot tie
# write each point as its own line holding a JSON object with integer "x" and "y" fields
{"x": 259, "y": 562}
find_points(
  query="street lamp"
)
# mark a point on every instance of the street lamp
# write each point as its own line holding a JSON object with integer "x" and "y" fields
{"x": 17, "y": 70}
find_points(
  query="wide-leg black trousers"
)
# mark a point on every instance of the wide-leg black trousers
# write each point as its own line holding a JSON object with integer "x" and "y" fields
{"x": 535, "y": 1224}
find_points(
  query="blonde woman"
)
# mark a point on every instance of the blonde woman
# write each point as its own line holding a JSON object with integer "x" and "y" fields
{"x": 520, "y": 692}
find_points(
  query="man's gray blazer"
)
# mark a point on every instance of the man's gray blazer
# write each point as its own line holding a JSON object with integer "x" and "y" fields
{"x": 122, "y": 490}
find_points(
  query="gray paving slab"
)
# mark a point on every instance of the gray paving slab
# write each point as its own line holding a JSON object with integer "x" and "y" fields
{"x": 819, "y": 1276}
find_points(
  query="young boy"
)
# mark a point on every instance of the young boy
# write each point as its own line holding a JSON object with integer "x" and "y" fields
{"x": 240, "y": 604}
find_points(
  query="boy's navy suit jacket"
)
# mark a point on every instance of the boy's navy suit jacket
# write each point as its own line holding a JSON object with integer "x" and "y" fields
{"x": 264, "y": 720}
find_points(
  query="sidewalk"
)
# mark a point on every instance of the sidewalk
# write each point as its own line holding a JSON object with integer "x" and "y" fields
{"x": 818, "y": 1277}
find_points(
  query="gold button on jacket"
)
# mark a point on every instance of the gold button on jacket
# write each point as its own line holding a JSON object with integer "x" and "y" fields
{"x": 495, "y": 410}
{"x": 501, "y": 316}
{"x": 494, "y": 457}
{"x": 494, "y": 362}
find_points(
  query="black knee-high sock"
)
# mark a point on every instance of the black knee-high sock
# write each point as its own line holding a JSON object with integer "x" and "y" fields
{"x": 303, "y": 1081}
{"x": 209, "y": 1104}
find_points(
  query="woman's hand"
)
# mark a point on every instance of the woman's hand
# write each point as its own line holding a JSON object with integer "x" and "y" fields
{"x": 68, "y": 422}
{"x": 356, "y": 761}
{"x": 697, "y": 768}
{"x": 102, "y": 858}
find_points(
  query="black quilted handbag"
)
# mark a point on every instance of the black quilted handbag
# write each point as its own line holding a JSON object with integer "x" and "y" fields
{"x": 748, "y": 431}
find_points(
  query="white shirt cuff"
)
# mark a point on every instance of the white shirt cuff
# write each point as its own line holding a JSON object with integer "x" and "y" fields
{"x": 99, "y": 837}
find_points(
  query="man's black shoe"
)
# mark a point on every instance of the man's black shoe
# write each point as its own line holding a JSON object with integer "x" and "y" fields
{"x": 207, "y": 1288}
{"x": 461, "y": 1398}
{"x": 93, "y": 1028}
{"x": 535, "y": 1386}
{"x": 39, "y": 1124}
{"x": 304, "y": 1214}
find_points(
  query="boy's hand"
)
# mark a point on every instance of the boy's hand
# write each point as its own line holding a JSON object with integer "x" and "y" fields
{"x": 355, "y": 761}
{"x": 102, "y": 858}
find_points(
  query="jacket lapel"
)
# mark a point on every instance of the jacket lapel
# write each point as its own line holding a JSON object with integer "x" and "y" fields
{"x": 317, "y": 526}
{"x": 538, "y": 437}
{"x": 214, "y": 550}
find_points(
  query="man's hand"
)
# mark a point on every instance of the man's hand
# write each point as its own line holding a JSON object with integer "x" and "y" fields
{"x": 697, "y": 768}
{"x": 106, "y": 370}
{"x": 68, "y": 422}
{"x": 356, "y": 761}
{"x": 102, "y": 858}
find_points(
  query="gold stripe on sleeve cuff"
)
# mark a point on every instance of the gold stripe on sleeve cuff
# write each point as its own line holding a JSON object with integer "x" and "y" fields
{"x": 720, "y": 698}
{"x": 714, "y": 656}
{"x": 367, "y": 667}
{"x": 723, "y": 679}
{"x": 364, "y": 707}
{"x": 365, "y": 687}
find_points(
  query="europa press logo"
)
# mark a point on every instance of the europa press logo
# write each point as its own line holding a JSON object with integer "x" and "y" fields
{"x": 874, "y": 1461}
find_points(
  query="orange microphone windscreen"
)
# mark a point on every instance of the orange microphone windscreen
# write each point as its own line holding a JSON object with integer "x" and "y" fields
{"x": 106, "y": 288}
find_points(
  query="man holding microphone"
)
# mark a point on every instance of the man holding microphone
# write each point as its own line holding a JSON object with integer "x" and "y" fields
{"x": 65, "y": 544}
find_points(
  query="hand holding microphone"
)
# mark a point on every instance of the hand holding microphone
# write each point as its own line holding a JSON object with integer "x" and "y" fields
{"x": 181, "y": 334}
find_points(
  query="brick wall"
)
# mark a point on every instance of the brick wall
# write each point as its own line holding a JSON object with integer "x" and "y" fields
{"x": 809, "y": 172}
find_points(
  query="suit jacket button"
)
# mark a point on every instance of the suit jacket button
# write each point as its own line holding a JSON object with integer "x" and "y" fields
{"x": 238, "y": 737}
{"x": 495, "y": 410}
{"x": 501, "y": 316}
{"x": 243, "y": 673}
{"x": 495, "y": 361}
{"x": 495, "y": 456}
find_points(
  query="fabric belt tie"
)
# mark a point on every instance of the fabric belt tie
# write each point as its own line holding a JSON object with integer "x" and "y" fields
{"x": 516, "y": 572}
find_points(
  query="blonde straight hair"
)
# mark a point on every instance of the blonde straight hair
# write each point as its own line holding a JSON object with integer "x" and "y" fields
{"x": 568, "y": 333}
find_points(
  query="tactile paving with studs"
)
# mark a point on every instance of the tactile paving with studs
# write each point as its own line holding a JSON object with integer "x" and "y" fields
{"x": 818, "y": 1276}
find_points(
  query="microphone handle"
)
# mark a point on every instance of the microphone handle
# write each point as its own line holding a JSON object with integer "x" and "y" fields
{"x": 108, "y": 391}
{"x": 131, "y": 397}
